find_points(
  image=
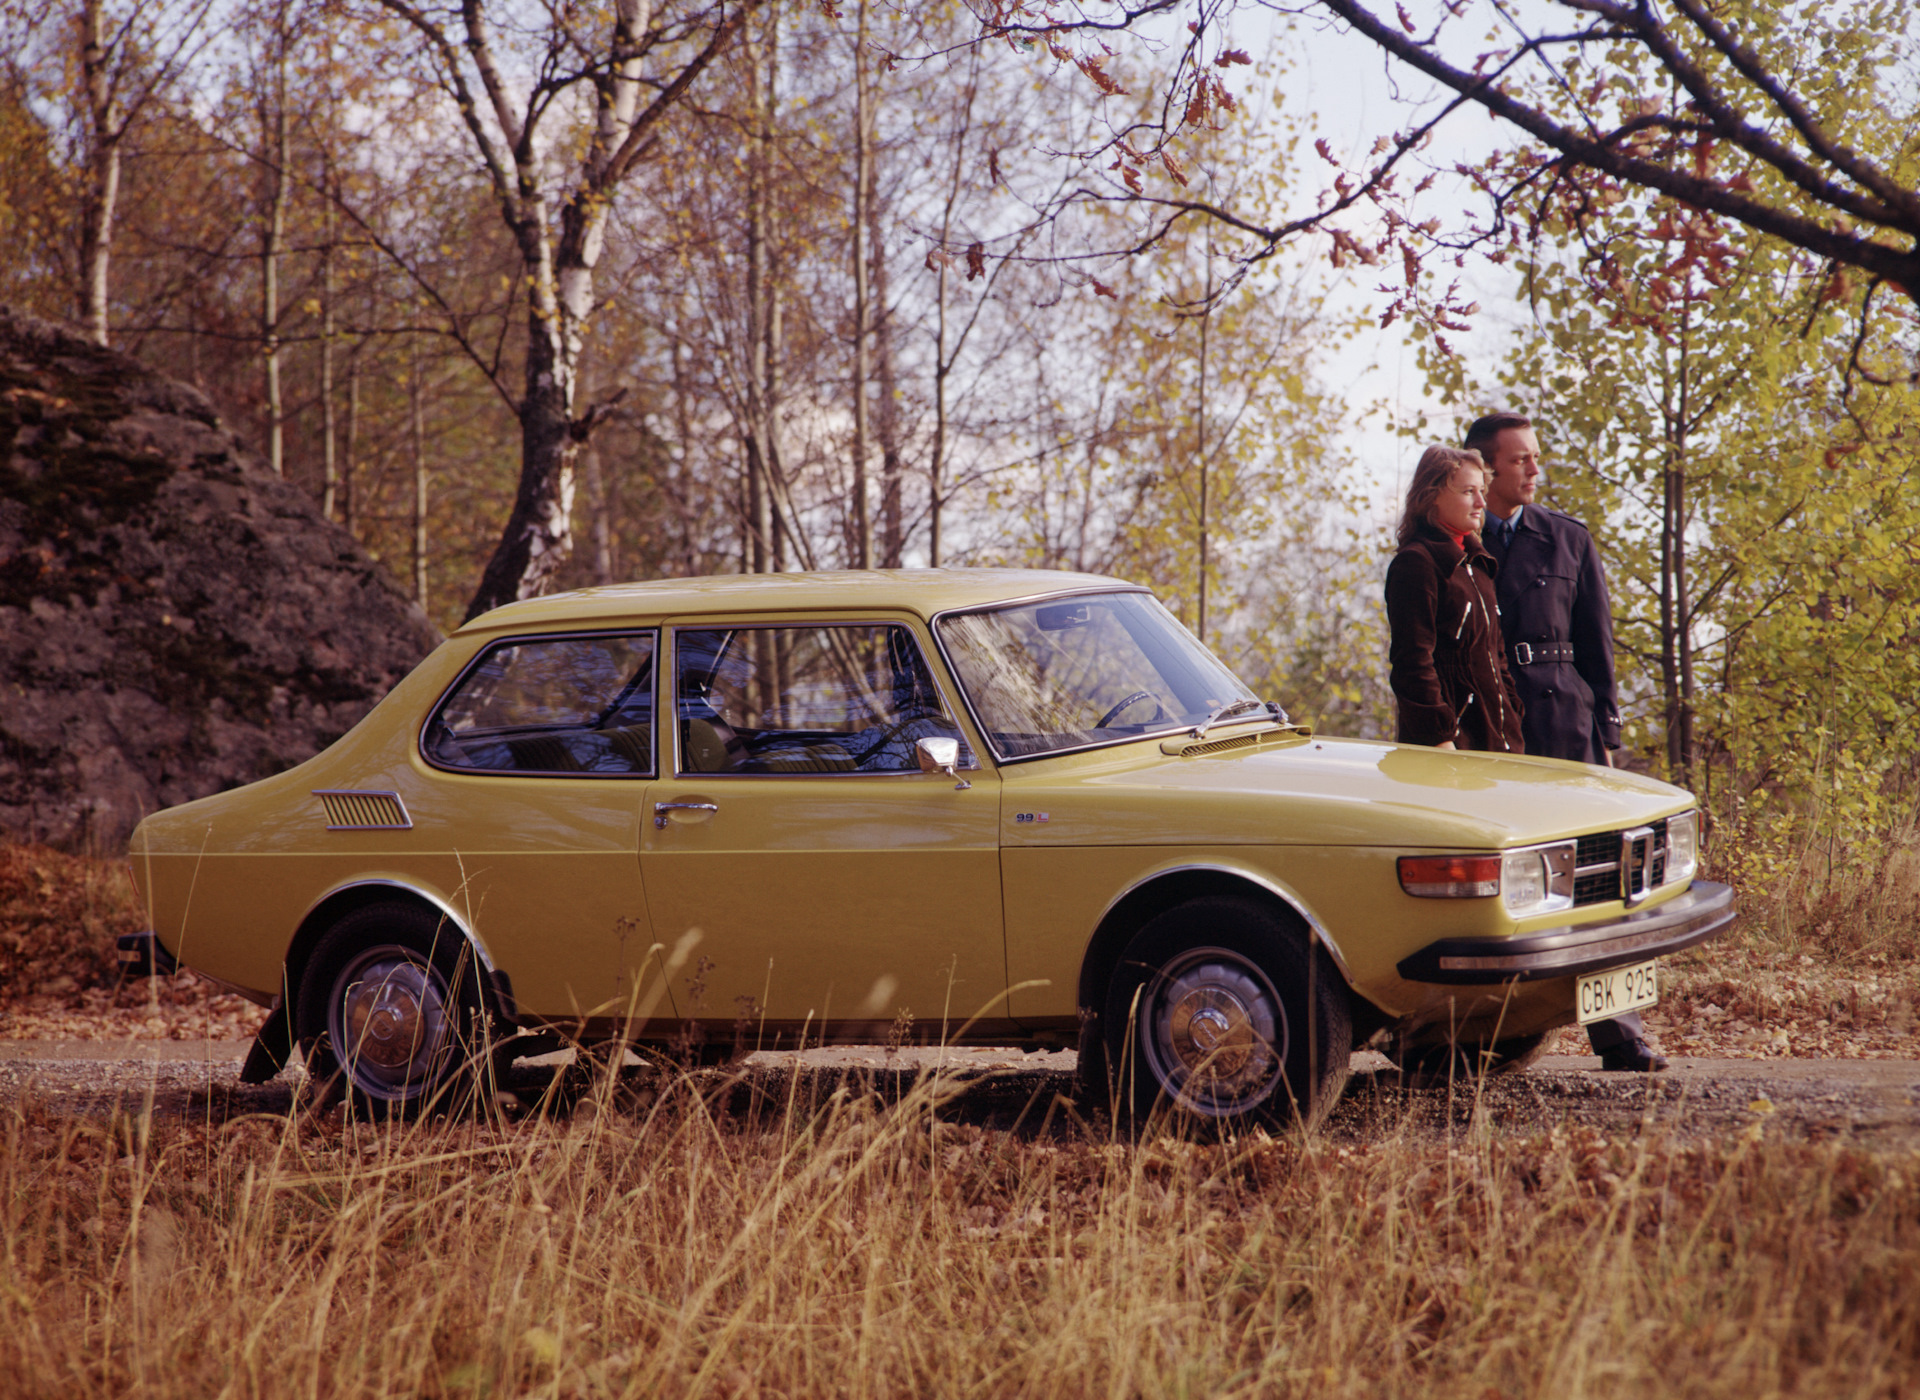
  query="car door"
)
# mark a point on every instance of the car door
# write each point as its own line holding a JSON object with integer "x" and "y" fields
{"x": 828, "y": 879}
{"x": 544, "y": 748}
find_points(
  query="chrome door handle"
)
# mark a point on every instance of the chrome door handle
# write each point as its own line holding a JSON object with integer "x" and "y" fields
{"x": 660, "y": 810}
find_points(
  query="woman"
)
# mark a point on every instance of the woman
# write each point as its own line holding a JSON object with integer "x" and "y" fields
{"x": 1449, "y": 665}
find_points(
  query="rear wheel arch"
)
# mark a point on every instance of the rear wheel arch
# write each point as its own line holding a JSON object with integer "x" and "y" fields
{"x": 339, "y": 903}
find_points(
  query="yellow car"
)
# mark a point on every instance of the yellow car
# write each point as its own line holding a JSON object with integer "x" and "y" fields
{"x": 984, "y": 806}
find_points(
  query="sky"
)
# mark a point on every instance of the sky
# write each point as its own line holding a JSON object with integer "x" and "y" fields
{"x": 1347, "y": 83}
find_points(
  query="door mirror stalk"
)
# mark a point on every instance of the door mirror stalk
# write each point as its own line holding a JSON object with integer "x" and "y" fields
{"x": 941, "y": 756}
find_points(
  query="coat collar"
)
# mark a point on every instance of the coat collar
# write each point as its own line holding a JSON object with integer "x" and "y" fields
{"x": 1533, "y": 520}
{"x": 1447, "y": 554}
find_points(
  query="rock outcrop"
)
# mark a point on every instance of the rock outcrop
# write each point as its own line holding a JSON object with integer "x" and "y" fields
{"x": 174, "y": 620}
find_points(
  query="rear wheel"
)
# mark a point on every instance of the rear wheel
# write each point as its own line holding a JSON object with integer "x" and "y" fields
{"x": 1223, "y": 1011}
{"x": 390, "y": 1011}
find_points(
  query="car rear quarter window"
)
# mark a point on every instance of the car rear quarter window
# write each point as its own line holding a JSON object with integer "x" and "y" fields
{"x": 578, "y": 705}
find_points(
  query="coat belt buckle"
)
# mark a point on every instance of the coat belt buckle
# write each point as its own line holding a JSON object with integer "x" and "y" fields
{"x": 1523, "y": 654}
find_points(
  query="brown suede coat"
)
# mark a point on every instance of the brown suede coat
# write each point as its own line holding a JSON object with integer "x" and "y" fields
{"x": 1448, "y": 658}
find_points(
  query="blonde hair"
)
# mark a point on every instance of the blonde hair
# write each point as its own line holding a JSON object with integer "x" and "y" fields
{"x": 1430, "y": 478}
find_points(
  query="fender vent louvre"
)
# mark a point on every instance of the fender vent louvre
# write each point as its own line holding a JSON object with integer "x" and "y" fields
{"x": 365, "y": 811}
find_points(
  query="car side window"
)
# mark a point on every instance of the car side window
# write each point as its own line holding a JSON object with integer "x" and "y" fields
{"x": 580, "y": 705}
{"x": 788, "y": 700}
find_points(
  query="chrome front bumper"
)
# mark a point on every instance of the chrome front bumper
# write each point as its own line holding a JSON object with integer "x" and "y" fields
{"x": 1703, "y": 911}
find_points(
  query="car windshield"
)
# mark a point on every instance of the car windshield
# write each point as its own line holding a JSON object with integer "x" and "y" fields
{"x": 1095, "y": 669}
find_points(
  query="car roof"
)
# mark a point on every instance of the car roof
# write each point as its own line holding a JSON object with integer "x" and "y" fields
{"x": 922, "y": 591}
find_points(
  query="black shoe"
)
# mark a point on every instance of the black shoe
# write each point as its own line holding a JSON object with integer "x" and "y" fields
{"x": 1635, "y": 1055}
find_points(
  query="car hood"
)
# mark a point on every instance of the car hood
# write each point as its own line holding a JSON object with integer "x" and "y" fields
{"x": 1285, "y": 789}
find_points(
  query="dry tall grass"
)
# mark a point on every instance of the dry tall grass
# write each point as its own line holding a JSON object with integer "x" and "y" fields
{"x": 847, "y": 1248}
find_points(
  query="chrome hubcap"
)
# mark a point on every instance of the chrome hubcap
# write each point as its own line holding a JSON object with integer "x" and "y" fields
{"x": 1213, "y": 1032}
{"x": 390, "y": 1022}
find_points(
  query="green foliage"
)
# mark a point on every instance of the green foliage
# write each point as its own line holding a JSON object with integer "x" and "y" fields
{"x": 33, "y": 214}
{"x": 1752, "y": 496}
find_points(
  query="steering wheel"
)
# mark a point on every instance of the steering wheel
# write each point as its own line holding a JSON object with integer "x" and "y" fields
{"x": 888, "y": 733}
{"x": 1132, "y": 699}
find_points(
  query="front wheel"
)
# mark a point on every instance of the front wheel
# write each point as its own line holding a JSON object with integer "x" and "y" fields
{"x": 1222, "y": 1010}
{"x": 390, "y": 1010}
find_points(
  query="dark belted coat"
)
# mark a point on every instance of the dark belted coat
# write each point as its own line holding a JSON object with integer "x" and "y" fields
{"x": 1558, "y": 625}
{"x": 1448, "y": 670}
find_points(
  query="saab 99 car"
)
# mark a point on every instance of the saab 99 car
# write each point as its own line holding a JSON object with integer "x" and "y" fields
{"x": 994, "y": 806}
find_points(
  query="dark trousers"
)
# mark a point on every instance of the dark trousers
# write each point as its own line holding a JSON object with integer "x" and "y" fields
{"x": 1610, "y": 1035}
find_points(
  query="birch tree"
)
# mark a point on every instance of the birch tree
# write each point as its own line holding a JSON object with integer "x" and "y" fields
{"x": 104, "y": 65}
{"x": 522, "y": 93}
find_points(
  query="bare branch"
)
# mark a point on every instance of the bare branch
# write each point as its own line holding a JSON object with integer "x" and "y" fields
{"x": 1841, "y": 245}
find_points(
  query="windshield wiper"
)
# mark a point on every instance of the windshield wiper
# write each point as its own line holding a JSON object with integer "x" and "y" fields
{"x": 1232, "y": 707}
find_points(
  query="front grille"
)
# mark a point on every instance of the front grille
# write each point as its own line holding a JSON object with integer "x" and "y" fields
{"x": 365, "y": 811}
{"x": 1597, "y": 888}
{"x": 1596, "y": 863}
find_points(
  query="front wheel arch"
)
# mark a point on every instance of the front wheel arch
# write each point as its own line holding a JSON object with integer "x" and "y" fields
{"x": 1228, "y": 1013}
{"x": 1155, "y": 896}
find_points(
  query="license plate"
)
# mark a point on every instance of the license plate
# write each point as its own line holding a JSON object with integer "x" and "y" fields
{"x": 1605, "y": 995}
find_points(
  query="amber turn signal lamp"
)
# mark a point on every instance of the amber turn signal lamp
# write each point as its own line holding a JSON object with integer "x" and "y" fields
{"x": 1450, "y": 877}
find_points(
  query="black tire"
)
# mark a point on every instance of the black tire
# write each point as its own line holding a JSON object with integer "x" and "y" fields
{"x": 1430, "y": 1066}
{"x": 1223, "y": 1011}
{"x": 390, "y": 1012}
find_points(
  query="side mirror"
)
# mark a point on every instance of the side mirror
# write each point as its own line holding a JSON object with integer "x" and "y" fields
{"x": 941, "y": 756}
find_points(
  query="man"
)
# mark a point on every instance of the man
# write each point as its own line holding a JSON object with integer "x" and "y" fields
{"x": 1558, "y": 626}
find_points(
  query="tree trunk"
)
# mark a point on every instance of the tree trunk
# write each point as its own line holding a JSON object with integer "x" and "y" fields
{"x": 353, "y": 439}
{"x": 781, "y": 512}
{"x": 862, "y": 178}
{"x": 683, "y": 428}
{"x": 757, "y": 522}
{"x": 329, "y": 460}
{"x": 1683, "y": 612}
{"x": 779, "y": 508}
{"x": 104, "y": 130}
{"x": 1676, "y": 664}
{"x": 892, "y": 525}
{"x": 1200, "y": 445}
{"x": 936, "y": 488}
{"x": 539, "y": 533}
{"x": 600, "y": 499}
{"x": 419, "y": 482}
{"x": 275, "y": 134}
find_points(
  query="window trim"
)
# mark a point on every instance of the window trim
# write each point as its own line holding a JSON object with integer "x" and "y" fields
{"x": 652, "y": 630}
{"x": 722, "y": 624}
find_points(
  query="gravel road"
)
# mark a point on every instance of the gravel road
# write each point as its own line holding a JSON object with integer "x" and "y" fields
{"x": 1874, "y": 1102}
